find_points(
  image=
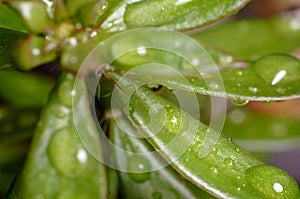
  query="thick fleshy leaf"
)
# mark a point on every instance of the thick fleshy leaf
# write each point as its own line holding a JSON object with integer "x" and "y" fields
{"x": 32, "y": 52}
{"x": 258, "y": 132}
{"x": 57, "y": 153}
{"x": 10, "y": 20}
{"x": 174, "y": 14}
{"x": 7, "y": 39}
{"x": 166, "y": 126}
{"x": 274, "y": 77}
{"x": 277, "y": 35}
{"x": 140, "y": 181}
{"x": 34, "y": 13}
{"x": 23, "y": 89}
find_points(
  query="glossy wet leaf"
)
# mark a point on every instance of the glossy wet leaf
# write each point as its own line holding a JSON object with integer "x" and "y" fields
{"x": 33, "y": 88}
{"x": 10, "y": 20}
{"x": 258, "y": 132}
{"x": 179, "y": 14}
{"x": 274, "y": 77}
{"x": 162, "y": 183}
{"x": 277, "y": 35}
{"x": 181, "y": 140}
{"x": 58, "y": 165}
{"x": 7, "y": 39}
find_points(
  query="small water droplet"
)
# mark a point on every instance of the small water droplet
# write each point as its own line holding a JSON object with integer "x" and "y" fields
{"x": 138, "y": 168}
{"x": 229, "y": 163}
{"x": 141, "y": 50}
{"x": 253, "y": 89}
{"x": 187, "y": 160}
{"x": 174, "y": 120}
{"x": 73, "y": 41}
{"x": 280, "y": 90}
{"x": 239, "y": 189}
{"x": 240, "y": 73}
{"x": 267, "y": 102}
{"x": 195, "y": 62}
{"x": 237, "y": 149}
{"x": 214, "y": 170}
{"x": 239, "y": 102}
{"x": 36, "y": 51}
{"x": 93, "y": 34}
{"x": 82, "y": 156}
{"x": 277, "y": 187}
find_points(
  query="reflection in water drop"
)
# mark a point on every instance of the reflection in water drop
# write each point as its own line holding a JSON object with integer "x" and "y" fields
{"x": 141, "y": 50}
{"x": 253, "y": 89}
{"x": 277, "y": 187}
{"x": 278, "y": 77}
{"x": 82, "y": 156}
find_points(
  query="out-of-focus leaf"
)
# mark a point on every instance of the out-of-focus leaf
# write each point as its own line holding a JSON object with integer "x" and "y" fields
{"x": 31, "y": 52}
{"x": 277, "y": 35}
{"x": 10, "y": 20}
{"x": 24, "y": 89}
{"x": 258, "y": 132}
{"x": 7, "y": 39}
{"x": 34, "y": 14}
{"x": 274, "y": 77}
{"x": 174, "y": 14}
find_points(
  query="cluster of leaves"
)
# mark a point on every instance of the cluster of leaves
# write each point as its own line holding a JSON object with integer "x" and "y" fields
{"x": 63, "y": 32}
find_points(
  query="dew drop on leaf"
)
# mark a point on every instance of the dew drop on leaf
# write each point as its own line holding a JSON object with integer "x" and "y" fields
{"x": 271, "y": 182}
{"x": 239, "y": 102}
{"x": 139, "y": 168}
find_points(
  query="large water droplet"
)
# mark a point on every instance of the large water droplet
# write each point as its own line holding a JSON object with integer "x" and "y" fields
{"x": 271, "y": 182}
{"x": 139, "y": 169}
{"x": 278, "y": 69}
{"x": 67, "y": 155}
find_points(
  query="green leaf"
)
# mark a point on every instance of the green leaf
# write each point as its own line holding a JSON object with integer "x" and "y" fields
{"x": 58, "y": 165}
{"x": 32, "y": 52}
{"x": 258, "y": 132}
{"x": 24, "y": 89}
{"x": 10, "y": 20}
{"x": 164, "y": 182}
{"x": 179, "y": 14}
{"x": 181, "y": 140}
{"x": 276, "y": 35}
{"x": 7, "y": 39}
{"x": 274, "y": 77}
{"x": 34, "y": 13}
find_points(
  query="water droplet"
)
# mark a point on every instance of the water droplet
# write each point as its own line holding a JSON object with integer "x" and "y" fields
{"x": 138, "y": 168}
{"x": 93, "y": 34}
{"x": 272, "y": 182}
{"x": 82, "y": 156}
{"x": 277, "y": 187}
{"x": 280, "y": 90}
{"x": 239, "y": 73}
{"x": 237, "y": 149}
{"x": 141, "y": 50}
{"x": 66, "y": 154}
{"x": 73, "y": 41}
{"x": 239, "y": 102}
{"x": 214, "y": 170}
{"x": 187, "y": 160}
{"x": 229, "y": 163}
{"x": 267, "y": 102}
{"x": 66, "y": 92}
{"x": 239, "y": 189}
{"x": 36, "y": 51}
{"x": 174, "y": 120}
{"x": 253, "y": 89}
{"x": 195, "y": 62}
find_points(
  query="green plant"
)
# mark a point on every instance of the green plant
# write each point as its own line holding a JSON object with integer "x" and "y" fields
{"x": 151, "y": 83}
